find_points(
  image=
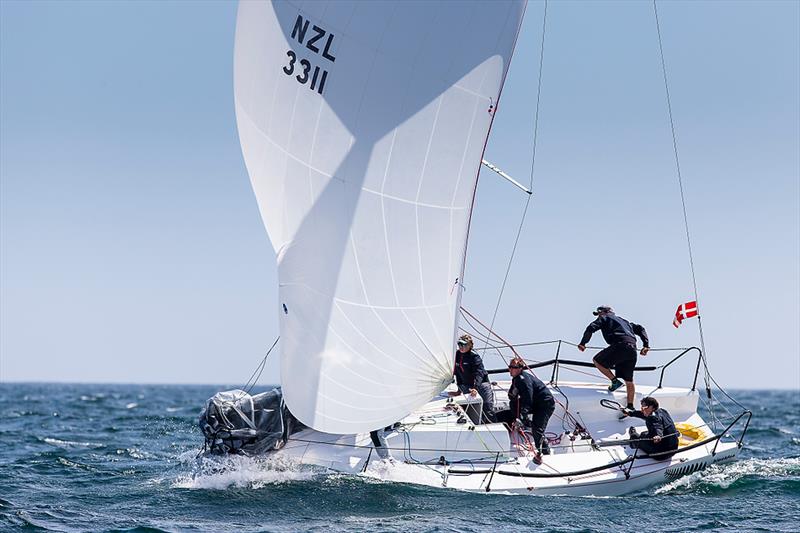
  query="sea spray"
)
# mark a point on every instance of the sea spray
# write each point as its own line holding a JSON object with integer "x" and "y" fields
{"x": 223, "y": 472}
{"x": 726, "y": 475}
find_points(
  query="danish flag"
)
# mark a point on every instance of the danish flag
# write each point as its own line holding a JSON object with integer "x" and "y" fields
{"x": 687, "y": 310}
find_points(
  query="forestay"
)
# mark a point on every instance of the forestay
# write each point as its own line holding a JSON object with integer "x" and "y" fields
{"x": 363, "y": 126}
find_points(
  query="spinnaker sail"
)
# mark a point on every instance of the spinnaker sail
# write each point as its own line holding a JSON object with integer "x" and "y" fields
{"x": 363, "y": 125}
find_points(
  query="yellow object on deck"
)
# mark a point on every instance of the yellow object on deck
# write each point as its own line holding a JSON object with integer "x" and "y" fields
{"x": 690, "y": 434}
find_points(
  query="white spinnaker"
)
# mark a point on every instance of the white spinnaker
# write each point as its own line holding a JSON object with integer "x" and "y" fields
{"x": 365, "y": 183}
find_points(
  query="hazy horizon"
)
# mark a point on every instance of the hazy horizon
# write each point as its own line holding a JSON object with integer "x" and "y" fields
{"x": 260, "y": 385}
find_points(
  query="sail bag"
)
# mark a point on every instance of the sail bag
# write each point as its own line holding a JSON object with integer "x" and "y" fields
{"x": 239, "y": 423}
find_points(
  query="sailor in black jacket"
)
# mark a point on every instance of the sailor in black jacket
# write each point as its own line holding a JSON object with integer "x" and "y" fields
{"x": 472, "y": 378}
{"x": 661, "y": 437}
{"x": 621, "y": 352}
{"x": 530, "y": 401}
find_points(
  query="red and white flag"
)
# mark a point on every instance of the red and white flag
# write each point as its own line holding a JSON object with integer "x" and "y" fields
{"x": 687, "y": 310}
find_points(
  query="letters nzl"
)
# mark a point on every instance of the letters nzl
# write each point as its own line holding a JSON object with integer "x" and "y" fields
{"x": 299, "y": 33}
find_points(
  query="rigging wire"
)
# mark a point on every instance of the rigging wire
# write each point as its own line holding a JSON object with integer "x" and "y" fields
{"x": 683, "y": 205}
{"x": 533, "y": 161}
{"x": 254, "y": 377}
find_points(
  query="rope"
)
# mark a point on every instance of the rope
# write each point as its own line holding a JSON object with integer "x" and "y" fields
{"x": 575, "y": 424}
{"x": 480, "y": 336}
{"x": 533, "y": 161}
{"x": 683, "y": 203}
{"x": 490, "y": 333}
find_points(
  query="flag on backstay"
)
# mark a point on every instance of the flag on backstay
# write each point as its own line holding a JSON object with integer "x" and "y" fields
{"x": 687, "y": 310}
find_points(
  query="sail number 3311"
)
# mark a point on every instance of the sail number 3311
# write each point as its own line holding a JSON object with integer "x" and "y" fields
{"x": 319, "y": 41}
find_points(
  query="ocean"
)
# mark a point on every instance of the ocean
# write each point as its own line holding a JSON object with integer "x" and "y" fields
{"x": 79, "y": 457}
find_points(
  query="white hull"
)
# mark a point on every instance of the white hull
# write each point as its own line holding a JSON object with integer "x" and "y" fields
{"x": 431, "y": 447}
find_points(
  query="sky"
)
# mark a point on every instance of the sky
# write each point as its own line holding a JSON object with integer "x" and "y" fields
{"x": 132, "y": 250}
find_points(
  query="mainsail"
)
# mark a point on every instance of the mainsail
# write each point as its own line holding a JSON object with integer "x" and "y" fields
{"x": 362, "y": 126}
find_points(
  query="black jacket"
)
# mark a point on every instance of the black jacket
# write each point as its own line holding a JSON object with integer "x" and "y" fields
{"x": 469, "y": 370}
{"x": 615, "y": 329}
{"x": 660, "y": 423}
{"x": 528, "y": 394}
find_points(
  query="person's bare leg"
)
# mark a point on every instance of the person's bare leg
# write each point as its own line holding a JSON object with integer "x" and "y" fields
{"x": 603, "y": 370}
{"x": 631, "y": 390}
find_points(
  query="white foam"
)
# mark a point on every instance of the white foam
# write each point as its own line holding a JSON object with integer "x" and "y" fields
{"x": 93, "y": 397}
{"x": 134, "y": 453}
{"x": 241, "y": 472}
{"x": 723, "y": 476}
{"x": 71, "y": 444}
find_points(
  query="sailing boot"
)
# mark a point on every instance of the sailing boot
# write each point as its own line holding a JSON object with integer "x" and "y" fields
{"x": 615, "y": 384}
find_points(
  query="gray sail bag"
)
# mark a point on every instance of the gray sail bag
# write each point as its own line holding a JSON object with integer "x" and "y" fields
{"x": 239, "y": 423}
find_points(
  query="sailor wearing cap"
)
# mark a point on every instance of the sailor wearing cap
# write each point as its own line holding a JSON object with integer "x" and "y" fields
{"x": 471, "y": 376}
{"x": 621, "y": 352}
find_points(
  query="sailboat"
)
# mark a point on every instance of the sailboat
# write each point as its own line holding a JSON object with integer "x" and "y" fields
{"x": 363, "y": 126}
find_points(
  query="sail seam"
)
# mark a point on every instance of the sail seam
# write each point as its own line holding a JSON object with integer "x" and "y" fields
{"x": 361, "y": 333}
{"x": 286, "y": 152}
{"x": 412, "y": 202}
{"x": 391, "y": 307}
{"x": 416, "y": 221}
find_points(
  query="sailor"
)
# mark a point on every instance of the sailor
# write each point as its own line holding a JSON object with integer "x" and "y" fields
{"x": 661, "y": 437}
{"x": 472, "y": 378}
{"x": 378, "y": 438}
{"x": 530, "y": 402}
{"x": 621, "y": 352}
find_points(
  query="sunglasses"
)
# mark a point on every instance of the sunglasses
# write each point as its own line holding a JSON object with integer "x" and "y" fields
{"x": 514, "y": 366}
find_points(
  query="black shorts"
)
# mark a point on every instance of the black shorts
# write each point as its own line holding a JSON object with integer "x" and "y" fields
{"x": 621, "y": 357}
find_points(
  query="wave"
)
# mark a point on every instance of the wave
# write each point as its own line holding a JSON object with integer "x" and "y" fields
{"x": 70, "y": 444}
{"x": 723, "y": 477}
{"x": 220, "y": 473}
{"x": 134, "y": 453}
{"x": 771, "y": 431}
{"x": 96, "y": 397}
{"x": 78, "y": 466}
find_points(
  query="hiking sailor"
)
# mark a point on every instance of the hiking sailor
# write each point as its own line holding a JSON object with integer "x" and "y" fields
{"x": 621, "y": 352}
{"x": 661, "y": 437}
{"x": 530, "y": 401}
{"x": 472, "y": 378}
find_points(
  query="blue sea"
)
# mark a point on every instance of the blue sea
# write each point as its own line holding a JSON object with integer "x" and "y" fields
{"x": 123, "y": 458}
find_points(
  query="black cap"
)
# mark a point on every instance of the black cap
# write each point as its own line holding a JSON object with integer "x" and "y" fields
{"x": 602, "y": 309}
